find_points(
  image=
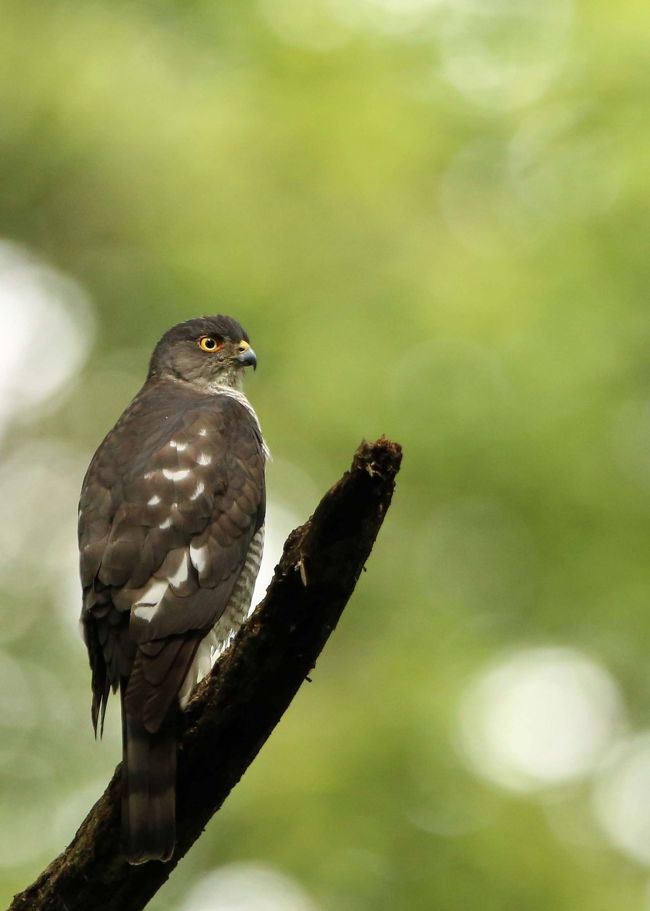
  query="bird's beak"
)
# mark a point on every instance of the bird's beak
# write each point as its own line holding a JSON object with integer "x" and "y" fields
{"x": 246, "y": 356}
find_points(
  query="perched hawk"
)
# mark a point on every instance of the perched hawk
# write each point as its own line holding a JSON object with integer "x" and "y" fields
{"x": 171, "y": 526}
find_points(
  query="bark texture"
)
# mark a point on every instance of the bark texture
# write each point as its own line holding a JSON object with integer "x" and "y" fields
{"x": 235, "y": 709}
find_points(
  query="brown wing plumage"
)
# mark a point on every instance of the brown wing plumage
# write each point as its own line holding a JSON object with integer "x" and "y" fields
{"x": 168, "y": 510}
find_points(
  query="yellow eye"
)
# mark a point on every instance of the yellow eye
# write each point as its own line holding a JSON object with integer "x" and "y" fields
{"x": 210, "y": 343}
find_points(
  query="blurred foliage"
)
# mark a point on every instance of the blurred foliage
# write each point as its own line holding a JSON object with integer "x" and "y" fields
{"x": 432, "y": 218}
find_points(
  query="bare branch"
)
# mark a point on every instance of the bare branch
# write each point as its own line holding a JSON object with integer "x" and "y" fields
{"x": 235, "y": 709}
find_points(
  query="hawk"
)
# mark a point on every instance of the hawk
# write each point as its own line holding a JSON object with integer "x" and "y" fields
{"x": 171, "y": 528}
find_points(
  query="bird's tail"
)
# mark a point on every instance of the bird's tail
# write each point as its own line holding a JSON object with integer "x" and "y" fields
{"x": 148, "y": 789}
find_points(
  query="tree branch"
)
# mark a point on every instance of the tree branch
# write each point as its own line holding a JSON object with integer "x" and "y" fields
{"x": 235, "y": 709}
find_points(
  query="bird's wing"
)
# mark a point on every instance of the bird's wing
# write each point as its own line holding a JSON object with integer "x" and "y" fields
{"x": 168, "y": 509}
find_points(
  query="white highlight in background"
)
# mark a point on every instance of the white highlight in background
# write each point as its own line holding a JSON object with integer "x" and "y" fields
{"x": 47, "y": 330}
{"x": 279, "y": 522}
{"x": 539, "y": 717}
{"x": 507, "y": 53}
{"x": 247, "y": 887}
{"x": 621, "y": 800}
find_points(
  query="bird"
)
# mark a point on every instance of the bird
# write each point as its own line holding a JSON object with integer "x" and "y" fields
{"x": 171, "y": 531}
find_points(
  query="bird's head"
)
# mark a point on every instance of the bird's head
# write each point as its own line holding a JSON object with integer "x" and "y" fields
{"x": 207, "y": 352}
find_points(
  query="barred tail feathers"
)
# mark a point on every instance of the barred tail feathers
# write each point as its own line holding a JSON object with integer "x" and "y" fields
{"x": 149, "y": 790}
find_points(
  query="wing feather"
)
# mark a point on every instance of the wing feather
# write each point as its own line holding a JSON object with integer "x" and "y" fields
{"x": 168, "y": 509}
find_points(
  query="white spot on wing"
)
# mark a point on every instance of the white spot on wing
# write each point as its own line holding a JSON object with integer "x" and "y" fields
{"x": 200, "y": 487}
{"x": 152, "y": 593}
{"x": 154, "y": 501}
{"x": 203, "y": 432}
{"x": 204, "y": 458}
{"x": 167, "y": 523}
{"x": 181, "y": 573}
{"x": 178, "y": 446}
{"x": 176, "y": 474}
{"x": 199, "y": 557}
{"x": 145, "y": 612}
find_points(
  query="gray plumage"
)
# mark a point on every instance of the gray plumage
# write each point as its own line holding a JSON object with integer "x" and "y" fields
{"x": 171, "y": 522}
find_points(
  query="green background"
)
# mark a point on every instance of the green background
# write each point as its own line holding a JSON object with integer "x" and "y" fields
{"x": 432, "y": 219}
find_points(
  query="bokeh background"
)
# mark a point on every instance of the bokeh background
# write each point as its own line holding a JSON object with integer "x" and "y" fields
{"x": 432, "y": 217}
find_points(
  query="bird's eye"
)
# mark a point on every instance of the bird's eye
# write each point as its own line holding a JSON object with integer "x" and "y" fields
{"x": 210, "y": 343}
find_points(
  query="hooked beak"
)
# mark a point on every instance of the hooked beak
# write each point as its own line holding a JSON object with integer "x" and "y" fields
{"x": 246, "y": 356}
